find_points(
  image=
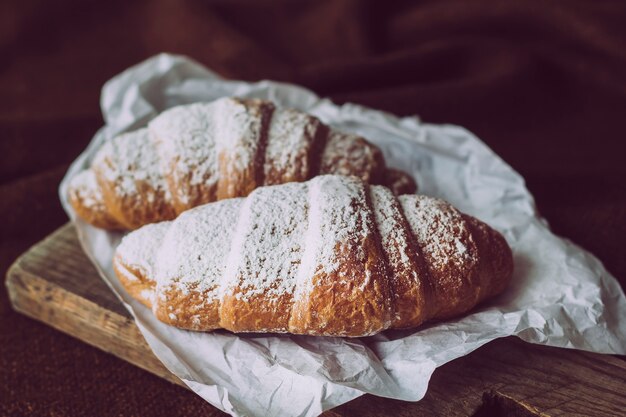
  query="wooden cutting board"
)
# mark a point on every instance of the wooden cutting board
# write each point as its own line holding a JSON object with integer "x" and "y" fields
{"x": 55, "y": 283}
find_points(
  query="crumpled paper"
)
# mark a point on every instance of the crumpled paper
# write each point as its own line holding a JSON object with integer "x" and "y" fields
{"x": 561, "y": 295}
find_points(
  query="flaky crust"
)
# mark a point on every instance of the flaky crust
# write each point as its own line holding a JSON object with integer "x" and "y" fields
{"x": 357, "y": 261}
{"x": 86, "y": 197}
{"x": 134, "y": 191}
{"x": 204, "y": 152}
{"x": 348, "y": 154}
{"x": 135, "y": 282}
{"x": 399, "y": 182}
{"x": 241, "y": 159}
{"x": 405, "y": 262}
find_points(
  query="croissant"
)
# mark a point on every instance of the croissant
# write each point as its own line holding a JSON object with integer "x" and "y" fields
{"x": 199, "y": 153}
{"x": 333, "y": 256}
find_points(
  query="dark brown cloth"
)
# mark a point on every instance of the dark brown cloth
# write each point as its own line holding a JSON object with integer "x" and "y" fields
{"x": 542, "y": 83}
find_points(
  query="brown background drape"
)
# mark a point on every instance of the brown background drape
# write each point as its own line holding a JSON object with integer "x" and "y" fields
{"x": 542, "y": 83}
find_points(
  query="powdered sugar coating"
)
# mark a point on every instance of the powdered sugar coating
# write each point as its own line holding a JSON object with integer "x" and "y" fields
{"x": 238, "y": 130}
{"x": 185, "y": 139}
{"x": 267, "y": 246}
{"x": 349, "y": 154}
{"x": 390, "y": 225}
{"x": 87, "y": 190}
{"x": 129, "y": 161}
{"x": 139, "y": 250}
{"x": 290, "y": 139}
{"x": 336, "y": 218}
{"x": 193, "y": 253}
{"x": 409, "y": 279}
{"x": 440, "y": 232}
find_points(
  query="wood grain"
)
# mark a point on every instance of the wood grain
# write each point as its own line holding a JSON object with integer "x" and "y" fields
{"x": 55, "y": 283}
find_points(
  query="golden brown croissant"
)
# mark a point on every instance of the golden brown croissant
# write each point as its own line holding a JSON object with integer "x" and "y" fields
{"x": 333, "y": 256}
{"x": 199, "y": 153}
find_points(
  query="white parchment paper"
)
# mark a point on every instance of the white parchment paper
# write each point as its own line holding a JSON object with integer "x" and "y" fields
{"x": 561, "y": 295}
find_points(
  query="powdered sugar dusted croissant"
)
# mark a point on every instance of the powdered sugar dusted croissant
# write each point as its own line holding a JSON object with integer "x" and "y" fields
{"x": 331, "y": 256}
{"x": 195, "y": 154}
